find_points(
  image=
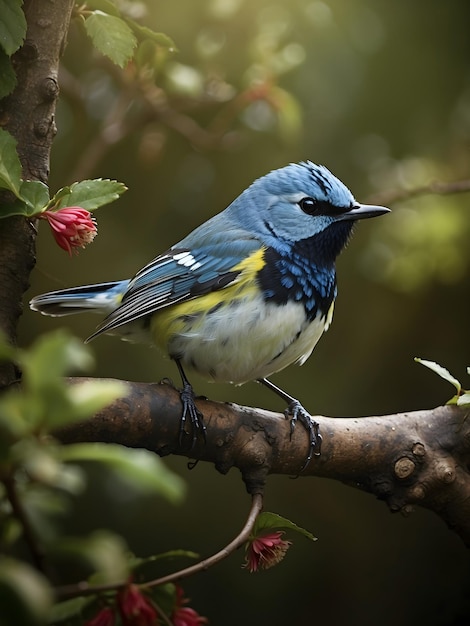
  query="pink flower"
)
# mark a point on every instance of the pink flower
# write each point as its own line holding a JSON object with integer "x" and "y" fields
{"x": 266, "y": 551}
{"x": 72, "y": 227}
{"x": 135, "y": 608}
{"x": 184, "y": 615}
{"x": 105, "y": 617}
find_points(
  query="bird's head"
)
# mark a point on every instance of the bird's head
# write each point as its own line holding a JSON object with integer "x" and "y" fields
{"x": 301, "y": 201}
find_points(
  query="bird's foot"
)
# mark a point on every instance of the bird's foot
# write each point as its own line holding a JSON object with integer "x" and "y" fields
{"x": 192, "y": 414}
{"x": 296, "y": 412}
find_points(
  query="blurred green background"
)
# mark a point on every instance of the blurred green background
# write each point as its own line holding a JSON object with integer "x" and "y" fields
{"x": 380, "y": 93}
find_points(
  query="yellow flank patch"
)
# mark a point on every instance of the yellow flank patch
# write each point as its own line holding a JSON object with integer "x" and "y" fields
{"x": 253, "y": 263}
{"x": 189, "y": 316}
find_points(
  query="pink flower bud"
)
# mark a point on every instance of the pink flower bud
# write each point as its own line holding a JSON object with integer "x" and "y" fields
{"x": 265, "y": 551}
{"x": 185, "y": 615}
{"x": 135, "y": 608}
{"x": 72, "y": 227}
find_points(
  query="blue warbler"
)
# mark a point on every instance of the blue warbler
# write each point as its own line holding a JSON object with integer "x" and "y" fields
{"x": 244, "y": 295}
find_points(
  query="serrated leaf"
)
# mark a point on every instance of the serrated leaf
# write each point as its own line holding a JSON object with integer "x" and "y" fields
{"x": 440, "y": 371}
{"x": 8, "y": 76}
{"x": 88, "y": 194}
{"x": 10, "y": 166}
{"x": 267, "y": 520}
{"x": 111, "y": 36}
{"x": 12, "y": 25}
{"x": 141, "y": 468}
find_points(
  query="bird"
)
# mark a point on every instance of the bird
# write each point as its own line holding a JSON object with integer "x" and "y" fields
{"x": 244, "y": 295}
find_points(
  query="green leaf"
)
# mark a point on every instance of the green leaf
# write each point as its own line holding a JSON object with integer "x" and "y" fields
{"x": 88, "y": 194}
{"x": 441, "y": 371}
{"x": 106, "y": 6}
{"x": 47, "y": 400}
{"x": 10, "y": 166}
{"x": 111, "y": 36}
{"x": 8, "y": 76}
{"x": 143, "y": 33}
{"x": 141, "y": 468}
{"x": 267, "y": 520}
{"x": 35, "y": 195}
{"x": 33, "y": 198}
{"x": 17, "y": 207}
{"x": 105, "y": 553}
{"x": 135, "y": 562}
{"x": 25, "y": 596}
{"x": 52, "y": 356}
{"x": 12, "y": 25}
{"x": 14, "y": 422}
{"x": 91, "y": 396}
{"x": 67, "y": 609}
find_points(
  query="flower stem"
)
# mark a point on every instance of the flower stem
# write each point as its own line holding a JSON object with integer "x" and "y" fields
{"x": 85, "y": 589}
{"x": 240, "y": 539}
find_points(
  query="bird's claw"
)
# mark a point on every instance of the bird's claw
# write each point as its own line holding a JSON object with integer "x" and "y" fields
{"x": 296, "y": 412}
{"x": 191, "y": 413}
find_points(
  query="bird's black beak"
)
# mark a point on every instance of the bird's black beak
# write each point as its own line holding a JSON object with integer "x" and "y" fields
{"x": 363, "y": 211}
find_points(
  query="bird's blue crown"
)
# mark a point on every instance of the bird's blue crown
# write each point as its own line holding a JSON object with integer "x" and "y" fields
{"x": 271, "y": 206}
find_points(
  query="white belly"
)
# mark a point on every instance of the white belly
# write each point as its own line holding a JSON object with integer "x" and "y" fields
{"x": 247, "y": 339}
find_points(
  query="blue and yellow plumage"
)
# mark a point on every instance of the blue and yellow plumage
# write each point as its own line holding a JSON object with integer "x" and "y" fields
{"x": 244, "y": 295}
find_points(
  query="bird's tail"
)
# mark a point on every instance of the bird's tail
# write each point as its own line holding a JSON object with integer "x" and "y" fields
{"x": 99, "y": 298}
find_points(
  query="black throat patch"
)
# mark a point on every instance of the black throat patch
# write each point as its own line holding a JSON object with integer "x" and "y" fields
{"x": 305, "y": 272}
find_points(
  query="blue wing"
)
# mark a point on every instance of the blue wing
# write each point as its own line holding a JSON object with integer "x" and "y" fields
{"x": 184, "y": 272}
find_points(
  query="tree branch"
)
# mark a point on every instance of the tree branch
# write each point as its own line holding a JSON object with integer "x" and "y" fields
{"x": 28, "y": 114}
{"x": 421, "y": 457}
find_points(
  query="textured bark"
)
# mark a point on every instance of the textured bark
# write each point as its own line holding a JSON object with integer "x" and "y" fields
{"x": 421, "y": 457}
{"x": 28, "y": 114}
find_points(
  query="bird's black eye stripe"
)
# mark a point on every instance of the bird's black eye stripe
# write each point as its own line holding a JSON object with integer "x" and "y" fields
{"x": 311, "y": 206}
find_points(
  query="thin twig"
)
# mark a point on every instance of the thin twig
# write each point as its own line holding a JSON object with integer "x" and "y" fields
{"x": 85, "y": 589}
{"x": 240, "y": 539}
{"x": 435, "y": 187}
{"x": 29, "y": 535}
{"x": 162, "y": 614}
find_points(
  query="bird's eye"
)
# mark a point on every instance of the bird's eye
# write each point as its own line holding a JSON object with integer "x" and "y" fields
{"x": 308, "y": 205}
